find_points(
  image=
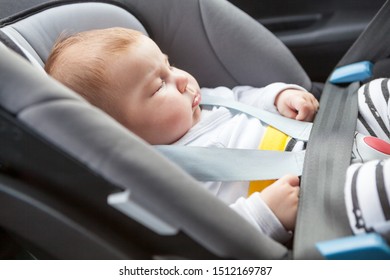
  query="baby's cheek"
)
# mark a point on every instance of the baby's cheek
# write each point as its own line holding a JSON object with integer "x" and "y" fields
{"x": 178, "y": 126}
{"x": 181, "y": 126}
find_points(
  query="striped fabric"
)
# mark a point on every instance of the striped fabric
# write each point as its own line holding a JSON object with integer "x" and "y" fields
{"x": 373, "y": 118}
{"x": 367, "y": 194}
{"x": 367, "y": 187}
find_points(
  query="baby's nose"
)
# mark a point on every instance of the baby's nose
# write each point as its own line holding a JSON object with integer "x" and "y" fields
{"x": 181, "y": 82}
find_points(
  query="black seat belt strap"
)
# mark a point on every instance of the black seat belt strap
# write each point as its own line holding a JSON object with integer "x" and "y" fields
{"x": 374, "y": 43}
{"x": 322, "y": 214}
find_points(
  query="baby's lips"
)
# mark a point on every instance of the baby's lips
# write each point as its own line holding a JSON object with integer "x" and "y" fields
{"x": 196, "y": 94}
{"x": 197, "y": 99}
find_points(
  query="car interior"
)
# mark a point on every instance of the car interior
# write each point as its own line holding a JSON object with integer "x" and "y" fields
{"x": 75, "y": 184}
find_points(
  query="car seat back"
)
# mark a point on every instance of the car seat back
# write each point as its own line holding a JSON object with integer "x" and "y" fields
{"x": 36, "y": 40}
{"x": 200, "y": 36}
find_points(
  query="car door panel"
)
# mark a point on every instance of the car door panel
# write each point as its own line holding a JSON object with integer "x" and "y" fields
{"x": 317, "y": 32}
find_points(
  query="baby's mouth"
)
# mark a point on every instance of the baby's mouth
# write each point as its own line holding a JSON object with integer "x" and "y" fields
{"x": 195, "y": 94}
{"x": 197, "y": 99}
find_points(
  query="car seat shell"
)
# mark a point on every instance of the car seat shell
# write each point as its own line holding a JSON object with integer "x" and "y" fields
{"x": 90, "y": 137}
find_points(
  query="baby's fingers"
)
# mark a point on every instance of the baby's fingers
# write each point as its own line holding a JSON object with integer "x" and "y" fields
{"x": 306, "y": 109}
{"x": 292, "y": 180}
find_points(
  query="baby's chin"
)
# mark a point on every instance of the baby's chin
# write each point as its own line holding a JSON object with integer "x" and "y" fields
{"x": 196, "y": 115}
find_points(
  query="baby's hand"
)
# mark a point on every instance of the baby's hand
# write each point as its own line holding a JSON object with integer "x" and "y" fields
{"x": 282, "y": 198}
{"x": 297, "y": 104}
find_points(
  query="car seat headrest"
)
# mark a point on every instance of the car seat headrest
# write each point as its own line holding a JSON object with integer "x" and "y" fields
{"x": 36, "y": 34}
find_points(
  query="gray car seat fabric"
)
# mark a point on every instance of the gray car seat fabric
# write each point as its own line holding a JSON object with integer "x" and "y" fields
{"x": 162, "y": 196}
{"x": 240, "y": 50}
{"x": 36, "y": 39}
{"x": 215, "y": 41}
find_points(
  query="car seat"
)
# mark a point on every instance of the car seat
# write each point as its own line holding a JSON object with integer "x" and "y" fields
{"x": 74, "y": 184}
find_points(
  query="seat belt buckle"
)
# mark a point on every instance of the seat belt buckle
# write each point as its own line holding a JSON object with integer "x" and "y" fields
{"x": 370, "y": 246}
{"x": 355, "y": 72}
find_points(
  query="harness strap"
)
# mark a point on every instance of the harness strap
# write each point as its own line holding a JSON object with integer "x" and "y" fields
{"x": 220, "y": 164}
{"x": 225, "y": 164}
{"x": 296, "y": 129}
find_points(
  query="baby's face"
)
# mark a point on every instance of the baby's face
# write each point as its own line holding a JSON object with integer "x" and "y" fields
{"x": 158, "y": 102}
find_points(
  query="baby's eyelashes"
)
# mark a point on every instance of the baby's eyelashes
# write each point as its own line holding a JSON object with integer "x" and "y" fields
{"x": 162, "y": 86}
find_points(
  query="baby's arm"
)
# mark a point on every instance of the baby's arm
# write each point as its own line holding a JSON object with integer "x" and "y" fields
{"x": 297, "y": 104}
{"x": 289, "y": 100}
{"x": 274, "y": 210}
